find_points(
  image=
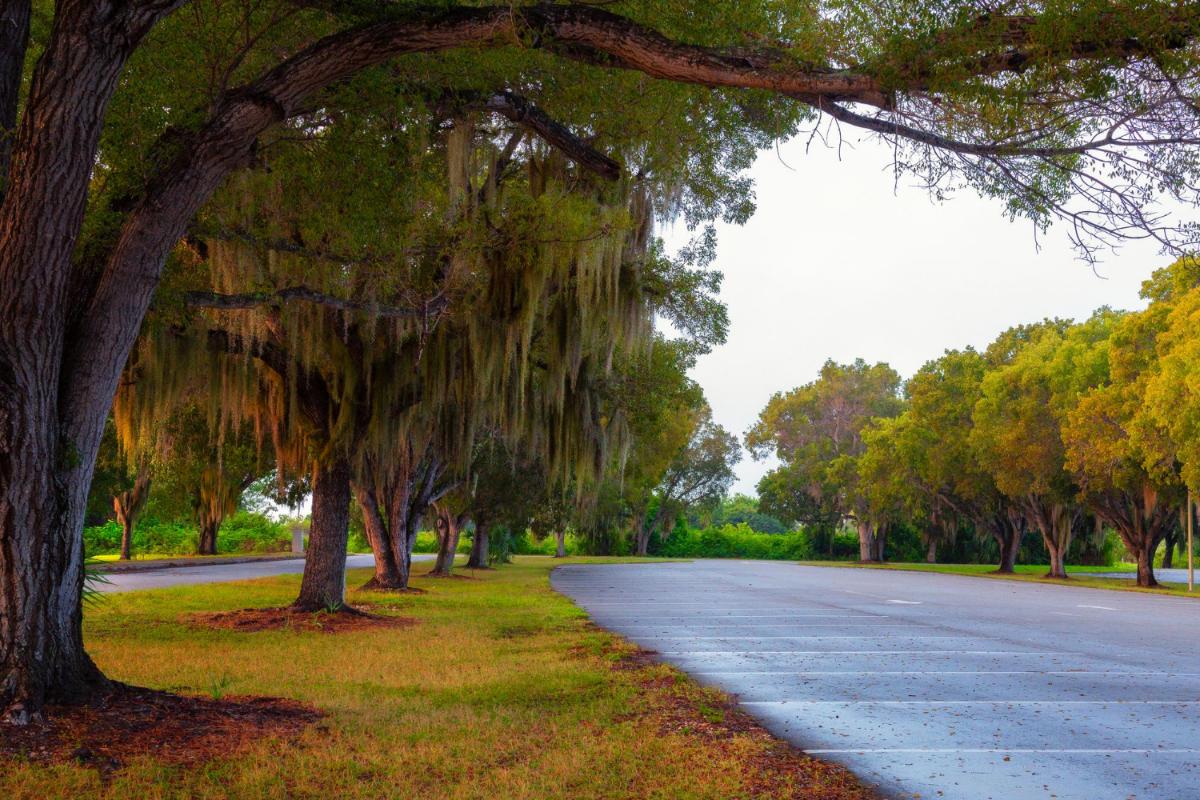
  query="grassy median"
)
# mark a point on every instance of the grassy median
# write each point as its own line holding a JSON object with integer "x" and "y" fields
{"x": 1078, "y": 576}
{"x": 498, "y": 688}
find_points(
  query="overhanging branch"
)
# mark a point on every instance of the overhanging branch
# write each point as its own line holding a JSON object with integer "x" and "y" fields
{"x": 519, "y": 110}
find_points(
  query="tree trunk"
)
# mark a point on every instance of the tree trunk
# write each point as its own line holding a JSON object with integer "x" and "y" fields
{"x": 126, "y": 538}
{"x": 49, "y": 434}
{"x": 1145, "y": 566}
{"x": 14, "y": 33}
{"x": 1058, "y": 567}
{"x": 388, "y": 574}
{"x": 870, "y": 543}
{"x": 931, "y": 551}
{"x": 323, "y": 586}
{"x": 449, "y": 526}
{"x": 1008, "y": 553}
{"x": 560, "y": 544}
{"x": 1169, "y": 543}
{"x": 1055, "y": 521}
{"x": 479, "y": 547}
{"x": 206, "y": 545}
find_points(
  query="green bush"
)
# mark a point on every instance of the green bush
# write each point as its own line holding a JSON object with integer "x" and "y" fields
{"x": 244, "y": 532}
{"x": 247, "y": 532}
{"x": 733, "y": 541}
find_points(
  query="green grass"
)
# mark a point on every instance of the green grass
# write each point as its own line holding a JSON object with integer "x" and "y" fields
{"x": 116, "y": 557}
{"x": 502, "y": 689}
{"x": 1079, "y": 576}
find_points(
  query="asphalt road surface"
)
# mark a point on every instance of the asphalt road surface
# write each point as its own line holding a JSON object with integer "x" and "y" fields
{"x": 219, "y": 573}
{"x": 936, "y": 686}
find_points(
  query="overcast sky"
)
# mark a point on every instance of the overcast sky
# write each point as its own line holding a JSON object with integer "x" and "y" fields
{"x": 839, "y": 263}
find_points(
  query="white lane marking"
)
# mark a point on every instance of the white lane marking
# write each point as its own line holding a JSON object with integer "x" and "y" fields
{"x": 1064, "y": 614}
{"x": 998, "y": 750}
{"x": 970, "y": 702}
{"x": 1102, "y": 608}
{"x": 906, "y": 602}
{"x": 851, "y": 652}
{"x": 1065, "y": 672}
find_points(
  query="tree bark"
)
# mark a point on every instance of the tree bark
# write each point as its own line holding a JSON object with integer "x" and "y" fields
{"x": 931, "y": 551}
{"x": 479, "y": 547}
{"x": 127, "y": 505}
{"x": 207, "y": 542}
{"x": 560, "y": 544}
{"x": 388, "y": 573}
{"x": 449, "y": 527}
{"x": 1145, "y": 566}
{"x": 870, "y": 543}
{"x": 1055, "y": 521}
{"x": 323, "y": 586}
{"x": 14, "y": 34}
{"x": 1007, "y": 529}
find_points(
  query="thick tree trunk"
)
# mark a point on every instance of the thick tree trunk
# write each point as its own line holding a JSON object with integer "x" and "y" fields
{"x": 1145, "y": 566}
{"x": 323, "y": 586}
{"x": 1056, "y": 522}
{"x": 1058, "y": 567}
{"x": 931, "y": 551}
{"x": 14, "y": 40}
{"x": 126, "y": 539}
{"x": 388, "y": 574}
{"x": 560, "y": 544}
{"x": 51, "y": 423}
{"x": 479, "y": 547}
{"x": 1008, "y": 553}
{"x": 206, "y": 545}
{"x": 870, "y": 543}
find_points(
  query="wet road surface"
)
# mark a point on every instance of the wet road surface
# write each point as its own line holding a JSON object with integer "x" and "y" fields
{"x": 932, "y": 685}
{"x": 219, "y": 573}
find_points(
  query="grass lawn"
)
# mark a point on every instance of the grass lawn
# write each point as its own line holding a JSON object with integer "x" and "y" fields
{"x": 1079, "y": 576}
{"x": 501, "y": 689}
{"x": 116, "y": 557}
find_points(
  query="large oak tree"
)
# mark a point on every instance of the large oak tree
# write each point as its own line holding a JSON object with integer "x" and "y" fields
{"x": 1040, "y": 104}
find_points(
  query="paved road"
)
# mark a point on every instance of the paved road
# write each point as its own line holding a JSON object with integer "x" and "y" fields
{"x": 932, "y": 685}
{"x": 218, "y": 573}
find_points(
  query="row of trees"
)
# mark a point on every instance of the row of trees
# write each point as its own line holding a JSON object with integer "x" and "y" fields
{"x": 1057, "y": 428}
{"x": 370, "y": 232}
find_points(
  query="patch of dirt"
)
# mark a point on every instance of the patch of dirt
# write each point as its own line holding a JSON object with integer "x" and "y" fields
{"x": 252, "y": 620}
{"x": 672, "y": 703}
{"x": 131, "y": 721}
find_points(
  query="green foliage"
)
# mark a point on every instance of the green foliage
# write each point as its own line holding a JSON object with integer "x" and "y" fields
{"x": 244, "y": 532}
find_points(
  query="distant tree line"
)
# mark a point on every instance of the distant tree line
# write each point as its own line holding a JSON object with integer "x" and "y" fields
{"x": 1059, "y": 430}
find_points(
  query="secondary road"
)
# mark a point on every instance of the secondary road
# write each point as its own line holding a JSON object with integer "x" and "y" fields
{"x": 932, "y": 685}
{"x": 218, "y": 573}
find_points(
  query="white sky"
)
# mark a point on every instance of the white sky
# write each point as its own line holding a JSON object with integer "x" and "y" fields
{"x": 838, "y": 263}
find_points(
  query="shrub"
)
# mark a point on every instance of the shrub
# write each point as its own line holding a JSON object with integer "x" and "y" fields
{"x": 733, "y": 541}
{"x": 244, "y": 532}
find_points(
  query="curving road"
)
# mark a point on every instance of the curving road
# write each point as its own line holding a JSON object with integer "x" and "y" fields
{"x": 932, "y": 686}
{"x": 219, "y": 573}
